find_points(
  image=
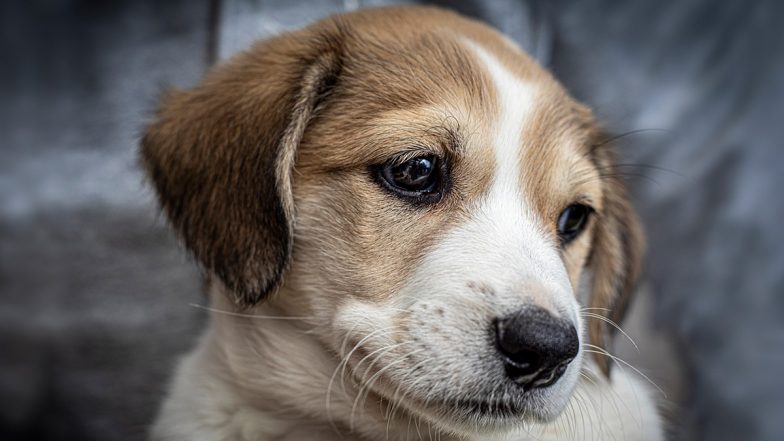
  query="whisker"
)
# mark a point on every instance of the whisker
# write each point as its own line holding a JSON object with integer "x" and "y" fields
{"x": 595, "y": 308}
{"x": 366, "y": 386}
{"x": 613, "y": 324}
{"x": 253, "y": 316}
{"x": 601, "y": 351}
{"x": 649, "y": 167}
{"x": 607, "y": 176}
{"x": 341, "y": 367}
{"x": 627, "y": 134}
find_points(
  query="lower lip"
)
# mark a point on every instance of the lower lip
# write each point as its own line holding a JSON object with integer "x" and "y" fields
{"x": 497, "y": 410}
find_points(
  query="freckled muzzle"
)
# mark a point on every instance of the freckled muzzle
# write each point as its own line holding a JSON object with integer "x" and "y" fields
{"x": 535, "y": 346}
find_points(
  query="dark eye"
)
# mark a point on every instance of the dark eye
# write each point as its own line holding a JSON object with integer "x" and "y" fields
{"x": 415, "y": 178}
{"x": 572, "y": 222}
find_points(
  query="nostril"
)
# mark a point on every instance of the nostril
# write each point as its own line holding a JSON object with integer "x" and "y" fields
{"x": 524, "y": 360}
{"x": 522, "y": 366}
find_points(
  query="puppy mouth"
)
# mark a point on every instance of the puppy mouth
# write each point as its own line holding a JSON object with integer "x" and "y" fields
{"x": 494, "y": 404}
{"x": 464, "y": 414}
{"x": 471, "y": 414}
{"x": 511, "y": 404}
{"x": 454, "y": 407}
{"x": 489, "y": 410}
{"x": 494, "y": 409}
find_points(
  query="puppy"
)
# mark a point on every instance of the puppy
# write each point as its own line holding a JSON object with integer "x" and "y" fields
{"x": 395, "y": 209}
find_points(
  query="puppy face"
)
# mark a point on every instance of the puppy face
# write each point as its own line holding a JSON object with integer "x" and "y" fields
{"x": 422, "y": 191}
{"x": 412, "y": 277}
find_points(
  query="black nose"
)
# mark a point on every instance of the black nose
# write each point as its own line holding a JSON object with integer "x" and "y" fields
{"x": 536, "y": 347}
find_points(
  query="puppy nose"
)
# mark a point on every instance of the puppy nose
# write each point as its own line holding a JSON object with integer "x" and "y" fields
{"x": 536, "y": 347}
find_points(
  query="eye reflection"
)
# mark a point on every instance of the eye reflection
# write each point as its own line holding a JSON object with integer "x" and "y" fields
{"x": 419, "y": 180}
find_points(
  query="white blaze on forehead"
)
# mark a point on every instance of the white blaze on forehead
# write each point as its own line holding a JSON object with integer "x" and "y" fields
{"x": 506, "y": 206}
{"x": 506, "y": 228}
{"x": 516, "y": 104}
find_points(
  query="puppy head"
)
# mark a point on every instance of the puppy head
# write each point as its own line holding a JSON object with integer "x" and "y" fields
{"x": 422, "y": 190}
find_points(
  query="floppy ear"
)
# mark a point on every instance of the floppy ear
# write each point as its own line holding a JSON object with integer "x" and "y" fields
{"x": 221, "y": 155}
{"x": 616, "y": 256}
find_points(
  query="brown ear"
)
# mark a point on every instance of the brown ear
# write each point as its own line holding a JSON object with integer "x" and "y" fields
{"x": 220, "y": 157}
{"x": 616, "y": 256}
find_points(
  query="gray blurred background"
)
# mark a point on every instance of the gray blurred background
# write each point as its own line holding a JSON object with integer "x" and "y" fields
{"x": 95, "y": 292}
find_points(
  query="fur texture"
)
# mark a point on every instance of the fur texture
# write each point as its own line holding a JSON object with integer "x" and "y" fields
{"x": 345, "y": 311}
